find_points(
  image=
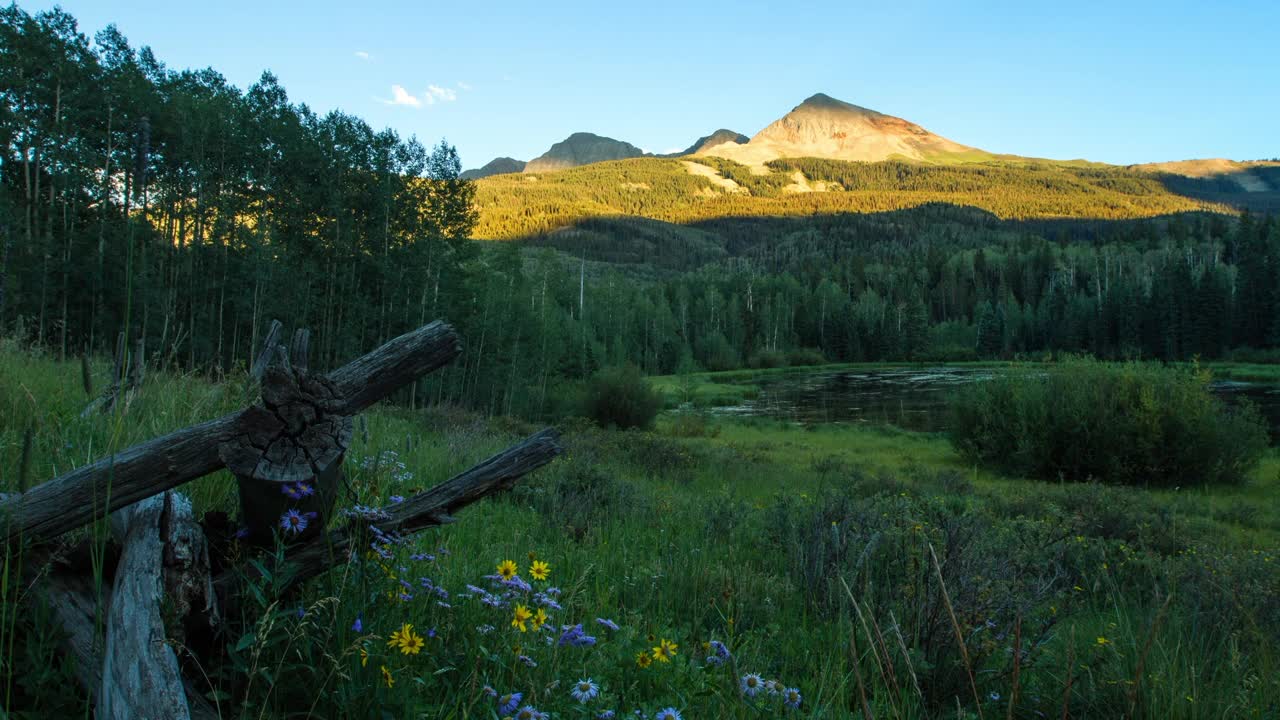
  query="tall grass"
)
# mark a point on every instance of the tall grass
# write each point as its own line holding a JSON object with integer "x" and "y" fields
{"x": 808, "y": 553}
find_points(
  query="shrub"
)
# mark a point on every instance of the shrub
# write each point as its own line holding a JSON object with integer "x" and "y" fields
{"x": 1134, "y": 423}
{"x": 621, "y": 397}
{"x": 767, "y": 359}
{"x": 805, "y": 356}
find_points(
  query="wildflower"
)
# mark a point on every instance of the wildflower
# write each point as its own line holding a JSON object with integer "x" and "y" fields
{"x": 606, "y": 715}
{"x": 528, "y": 712}
{"x": 539, "y": 619}
{"x": 751, "y": 684}
{"x": 517, "y": 583}
{"x": 608, "y": 623}
{"x": 508, "y": 703}
{"x": 242, "y": 533}
{"x": 539, "y": 570}
{"x": 290, "y": 491}
{"x": 293, "y": 521}
{"x": 358, "y": 625}
{"x": 792, "y": 698}
{"x": 387, "y": 678}
{"x": 1101, "y": 641}
{"x": 521, "y": 618}
{"x": 528, "y": 661}
{"x": 409, "y": 642}
{"x": 485, "y": 629}
{"x": 396, "y": 499}
{"x": 364, "y": 657}
{"x": 585, "y": 690}
{"x": 664, "y": 651}
{"x": 773, "y": 687}
{"x": 302, "y": 612}
{"x": 717, "y": 652}
{"x": 553, "y": 591}
{"x": 994, "y": 696}
{"x": 573, "y": 635}
{"x": 643, "y": 659}
{"x": 668, "y": 714}
{"x": 507, "y": 569}
{"x": 489, "y": 691}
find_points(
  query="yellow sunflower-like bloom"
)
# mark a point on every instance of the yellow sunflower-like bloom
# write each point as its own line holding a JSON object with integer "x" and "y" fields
{"x": 521, "y": 618}
{"x": 665, "y": 651}
{"x": 643, "y": 659}
{"x": 539, "y": 570}
{"x": 507, "y": 569}
{"x": 539, "y": 619}
{"x": 387, "y": 678}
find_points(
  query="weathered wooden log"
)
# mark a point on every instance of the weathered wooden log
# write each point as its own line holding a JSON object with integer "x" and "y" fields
{"x": 288, "y": 452}
{"x": 267, "y": 352}
{"x": 430, "y": 508}
{"x": 164, "y": 557}
{"x": 74, "y": 499}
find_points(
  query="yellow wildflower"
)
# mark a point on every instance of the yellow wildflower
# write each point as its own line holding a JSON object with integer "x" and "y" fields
{"x": 521, "y": 618}
{"x": 643, "y": 659}
{"x": 364, "y": 657}
{"x": 1102, "y": 641}
{"x": 539, "y": 570}
{"x": 507, "y": 569}
{"x": 539, "y": 619}
{"x": 387, "y": 678}
{"x": 664, "y": 651}
{"x": 409, "y": 642}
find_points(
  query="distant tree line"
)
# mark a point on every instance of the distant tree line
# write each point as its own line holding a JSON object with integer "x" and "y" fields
{"x": 175, "y": 207}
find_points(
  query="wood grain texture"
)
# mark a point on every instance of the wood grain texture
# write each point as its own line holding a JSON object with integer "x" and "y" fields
{"x": 76, "y": 498}
{"x": 430, "y": 508}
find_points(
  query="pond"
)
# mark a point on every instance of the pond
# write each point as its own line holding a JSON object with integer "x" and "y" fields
{"x": 912, "y": 398}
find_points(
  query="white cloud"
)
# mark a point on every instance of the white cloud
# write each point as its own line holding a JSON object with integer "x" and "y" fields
{"x": 363, "y": 55}
{"x": 672, "y": 151}
{"x": 463, "y": 85}
{"x": 435, "y": 92}
{"x": 400, "y": 96}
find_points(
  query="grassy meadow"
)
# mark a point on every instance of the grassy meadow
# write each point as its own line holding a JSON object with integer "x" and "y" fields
{"x": 842, "y": 562}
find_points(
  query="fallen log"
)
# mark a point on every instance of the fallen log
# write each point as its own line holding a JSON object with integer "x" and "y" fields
{"x": 164, "y": 556}
{"x": 76, "y": 498}
{"x": 429, "y": 508}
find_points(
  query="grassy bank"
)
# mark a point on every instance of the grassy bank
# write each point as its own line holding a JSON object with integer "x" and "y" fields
{"x": 810, "y": 553}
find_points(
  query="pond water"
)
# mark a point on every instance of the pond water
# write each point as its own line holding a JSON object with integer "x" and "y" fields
{"x": 912, "y": 398}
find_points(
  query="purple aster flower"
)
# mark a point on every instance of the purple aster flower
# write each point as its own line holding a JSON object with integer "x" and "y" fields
{"x": 584, "y": 690}
{"x": 553, "y": 591}
{"x": 751, "y": 684}
{"x": 489, "y": 691}
{"x": 606, "y": 715}
{"x": 358, "y": 625}
{"x": 528, "y": 712}
{"x": 290, "y": 491}
{"x": 305, "y": 490}
{"x": 293, "y": 522}
{"x": 791, "y": 698}
{"x": 528, "y": 661}
{"x": 508, "y": 703}
{"x": 720, "y": 653}
{"x": 242, "y": 533}
{"x": 431, "y": 633}
{"x": 396, "y": 499}
{"x": 608, "y": 623}
{"x": 667, "y": 714}
{"x": 569, "y": 634}
{"x": 405, "y": 597}
{"x": 518, "y": 583}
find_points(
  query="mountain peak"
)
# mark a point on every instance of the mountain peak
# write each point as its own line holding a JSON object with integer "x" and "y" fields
{"x": 582, "y": 148}
{"x": 825, "y": 127}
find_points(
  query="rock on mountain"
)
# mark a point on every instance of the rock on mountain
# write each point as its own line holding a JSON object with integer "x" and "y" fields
{"x": 582, "y": 148}
{"x": 719, "y": 137}
{"x": 496, "y": 166}
{"x": 824, "y": 127}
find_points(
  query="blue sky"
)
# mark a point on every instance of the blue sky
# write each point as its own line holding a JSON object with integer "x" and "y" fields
{"x": 1115, "y": 81}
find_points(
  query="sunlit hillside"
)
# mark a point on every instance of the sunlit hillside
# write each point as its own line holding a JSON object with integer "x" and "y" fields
{"x": 686, "y": 191}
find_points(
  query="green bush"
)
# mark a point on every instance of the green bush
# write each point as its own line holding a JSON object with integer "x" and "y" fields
{"x": 621, "y": 397}
{"x": 1134, "y": 423}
